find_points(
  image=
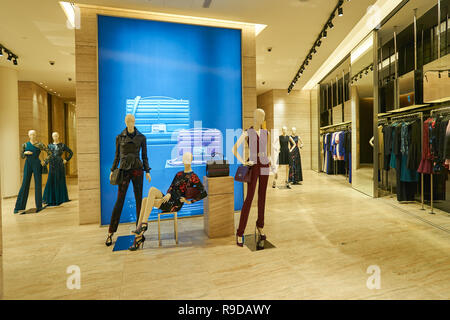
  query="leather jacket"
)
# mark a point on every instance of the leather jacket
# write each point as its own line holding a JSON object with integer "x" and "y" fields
{"x": 127, "y": 152}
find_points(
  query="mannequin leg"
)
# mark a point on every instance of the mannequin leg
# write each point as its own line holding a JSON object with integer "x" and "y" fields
{"x": 37, "y": 173}
{"x": 137, "y": 178}
{"x": 248, "y": 202}
{"x": 117, "y": 211}
{"x": 262, "y": 189}
{"x": 153, "y": 200}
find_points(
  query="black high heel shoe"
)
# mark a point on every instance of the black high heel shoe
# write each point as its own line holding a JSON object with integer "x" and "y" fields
{"x": 109, "y": 241}
{"x": 139, "y": 231}
{"x": 261, "y": 236}
{"x": 138, "y": 241}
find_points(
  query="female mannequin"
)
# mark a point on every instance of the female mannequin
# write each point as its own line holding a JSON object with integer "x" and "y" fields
{"x": 171, "y": 202}
{"x": 258, "y": 141}
{"x": 31, "y": 150}
{"x": 295, "y": 170}
{"x": 129, "y": 144}
{"x": 55, "y": 191}
{"x": 284, "y": 155}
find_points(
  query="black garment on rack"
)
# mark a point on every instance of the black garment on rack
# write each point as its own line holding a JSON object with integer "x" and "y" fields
{"x": 415, "y": 150}
{"x": 387, "y": 137}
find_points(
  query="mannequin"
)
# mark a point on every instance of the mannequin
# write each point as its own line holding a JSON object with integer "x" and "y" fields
{"x": 129, "y": 144}
{"x": 258, "y": 141}
{"x": 55, "y": 191}
{"x": 284, "y": 155}
{"x": 31, "y": 150}
{"x": 171, "y": 202}
{"x": 295, "y": 170}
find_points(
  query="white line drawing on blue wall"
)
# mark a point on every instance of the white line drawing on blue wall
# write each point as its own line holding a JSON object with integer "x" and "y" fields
{"x": 165, "y": 121}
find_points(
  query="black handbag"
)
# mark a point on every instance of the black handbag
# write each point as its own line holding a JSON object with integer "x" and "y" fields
{"x": 116, "y": 177}
{"x": 217, "y": 168}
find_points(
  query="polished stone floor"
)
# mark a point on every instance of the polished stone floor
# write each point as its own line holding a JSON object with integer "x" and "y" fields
{"x": 326, "y": 235}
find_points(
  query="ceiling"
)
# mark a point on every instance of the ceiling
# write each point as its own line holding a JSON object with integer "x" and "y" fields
{"x": 36, "y": 31}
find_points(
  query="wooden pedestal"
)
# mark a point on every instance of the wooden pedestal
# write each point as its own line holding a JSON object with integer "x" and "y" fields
{"x": 218, "y": 217}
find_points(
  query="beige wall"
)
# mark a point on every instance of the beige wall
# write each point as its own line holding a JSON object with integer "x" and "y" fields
{"x": 9, "y": 133}
{"x": 33, "y": 114}
{"x": 58, "y": 118}
{"x": 315, "y": 130}
{"x": 290, "y": 110}
{"x": 72, "y": 168}
{"x": 1, "y": 247}
{"x": 87, "y": 110}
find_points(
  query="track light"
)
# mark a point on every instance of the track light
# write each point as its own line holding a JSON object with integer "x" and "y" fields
{"x": 306, "y": 62}
{"x": 319, "y": 43}
{"x": 15, "y": 61}
{"x": 340, "y": 12}
{"x": 330, "y": 24}
{"x": 324, "y": 33}
{"x": 1, "y": 51}
{"x": 439, "y": 75}
{"x": 9, "y": 56}
{"x": 314, "y": 50}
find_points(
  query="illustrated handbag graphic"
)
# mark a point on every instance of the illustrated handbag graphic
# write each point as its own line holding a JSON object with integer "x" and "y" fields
{"x": 243, "y": 174}
{"x": 116, "y": 177}
{"x": 217, "y": 168}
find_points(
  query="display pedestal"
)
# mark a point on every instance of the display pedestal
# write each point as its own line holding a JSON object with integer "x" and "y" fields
{"x": 218, "y": 217}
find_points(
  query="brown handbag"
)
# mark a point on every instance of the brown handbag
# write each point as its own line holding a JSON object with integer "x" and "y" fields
{"x": 243, "y": 174}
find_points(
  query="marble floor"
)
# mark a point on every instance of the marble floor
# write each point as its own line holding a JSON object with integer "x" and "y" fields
{"x": 326, "y": 235}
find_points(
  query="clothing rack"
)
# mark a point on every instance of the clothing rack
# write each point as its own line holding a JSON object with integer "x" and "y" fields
{"x": 432, "y": 113}
{"x": 334, "y": 128}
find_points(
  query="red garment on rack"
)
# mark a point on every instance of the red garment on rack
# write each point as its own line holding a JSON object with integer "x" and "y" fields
{"x": 426, "y": 164}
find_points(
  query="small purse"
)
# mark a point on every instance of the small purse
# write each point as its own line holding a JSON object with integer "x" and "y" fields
{"x": 116, "y": 177}
{"x": 243, "y": 174}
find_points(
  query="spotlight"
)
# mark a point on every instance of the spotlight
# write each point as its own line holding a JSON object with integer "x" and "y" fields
{"x": 366, "y": 72}
{"x": 449, "y": 73}
{"x": 340, "y": 12}
{"x": 330, "y": 24}
{"x": 15, "y": 61}
{"x": 306, "y": 62}
{"x": 9, "y": 56}
{"x": 360, "y": 75}
{"x": 324, "y": 33}
{"x": 310, "y": 56}
{"x": 1, "y": 51}
{"x": 439, "y": 75}
{"x": 319, "y": 43}
{"x": 314, "y": 50}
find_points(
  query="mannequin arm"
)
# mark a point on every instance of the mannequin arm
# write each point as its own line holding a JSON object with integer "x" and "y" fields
{"x": 292, "y": 143}
{"x": 235, "y": 152}
{"x": 117, "y": 155}
{"x": 371, "y": 141}
{"x": 69, "y": 151}
{"x": 22, "y": 152}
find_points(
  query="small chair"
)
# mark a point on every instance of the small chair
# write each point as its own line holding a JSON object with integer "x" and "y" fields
{"x": 175, "y": 226}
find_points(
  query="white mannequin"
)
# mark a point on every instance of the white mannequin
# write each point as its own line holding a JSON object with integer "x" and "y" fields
{"x": 156, "y": 198}
{"x": 258, "y": 121}
{"x": 129, "y": 122}
{"x": 284, "y": 133}
{"x": 294, "y": 133}
{"x": 55, "y": 136}
{"x": 32, "y": 135}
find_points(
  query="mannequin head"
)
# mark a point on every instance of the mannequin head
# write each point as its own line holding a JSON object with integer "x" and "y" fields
{"x": 294, "y": 130}
{"x": 284, "y": 130}
{"x": 259, "y": 116}
{"x": 187, "y": 158}
{"x": 32, "y": 135}
{"x": 55, "y": 136}
{"x": 130, "y": 121}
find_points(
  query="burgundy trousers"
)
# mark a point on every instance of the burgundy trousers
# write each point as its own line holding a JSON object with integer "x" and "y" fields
{"x": 260, "y": 173}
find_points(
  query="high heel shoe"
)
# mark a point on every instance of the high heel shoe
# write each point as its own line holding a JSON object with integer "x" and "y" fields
{"x": 261, "y": 235}
{"x": 109, "y": 241}
{"x": 138, "y": 241}
{"x": 239, "y": 244}
{"x": 139, "y": 231}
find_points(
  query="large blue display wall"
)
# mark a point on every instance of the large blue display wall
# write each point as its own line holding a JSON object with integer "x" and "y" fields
{"x": 170, "y": 76}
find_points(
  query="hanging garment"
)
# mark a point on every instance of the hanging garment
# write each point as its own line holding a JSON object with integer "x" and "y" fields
{"x": 414, "y": 152}
{"x": 32, "y": 167}
{"x": 406, "y": 175}
{"x": 380, "y": 148}
{"x": 283, "y": 156}
{"x": 260, "y": 171}
{"x": 447, "y": 146}
{"x": 55, "y": 191}
{"x": 328, "y": 154}
{"x": 340, "y": 143}
{"x": 387, "y": 137}
{"x": 295, "y": 170}
{"x": 425, "y": 165}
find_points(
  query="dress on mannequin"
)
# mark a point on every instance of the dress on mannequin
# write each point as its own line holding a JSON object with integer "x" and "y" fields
{"x": 258, "y": 152}
{"x": 33, "y": 167}
{"x": 55, "y": 192}
{"x": 295, "y": 170}
{"x": 283, "y": 157}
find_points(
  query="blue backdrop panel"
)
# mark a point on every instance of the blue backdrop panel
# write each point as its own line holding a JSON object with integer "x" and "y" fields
{"x": 170, "y": 76}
